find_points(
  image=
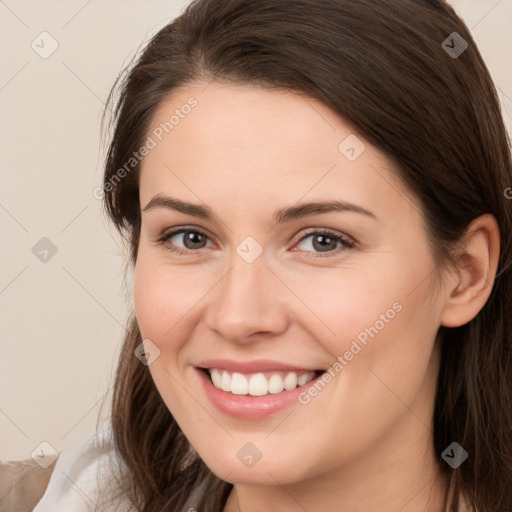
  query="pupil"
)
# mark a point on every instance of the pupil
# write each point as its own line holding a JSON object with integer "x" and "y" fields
{"x": 192, "y": 237}
{"x": 323, "y": 248}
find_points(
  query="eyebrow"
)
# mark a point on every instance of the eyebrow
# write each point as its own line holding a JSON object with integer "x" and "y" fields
{"x": 280, "y": 216}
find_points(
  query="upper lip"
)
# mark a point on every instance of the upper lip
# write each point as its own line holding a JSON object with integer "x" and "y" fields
{"x": 258, "y": 365}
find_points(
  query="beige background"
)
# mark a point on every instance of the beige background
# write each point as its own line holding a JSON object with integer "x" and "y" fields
{"x": 62, "y": 320}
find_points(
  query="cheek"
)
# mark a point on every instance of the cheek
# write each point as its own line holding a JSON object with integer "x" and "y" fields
{"x": 394, "y": 296}
{"x": 162, "y": 302}
{"x": 386, "y": 340}
{"x": 163, "y": 296}
{"x": 153, "y": 308}
{"x": 340, "y": 306}
{"x": 384, "y": 335}
{"x": 382, "y": 319}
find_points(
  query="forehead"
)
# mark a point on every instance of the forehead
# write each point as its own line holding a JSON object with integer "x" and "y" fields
{"x": 231, "y": 117}
{"x": 255, "y": 146}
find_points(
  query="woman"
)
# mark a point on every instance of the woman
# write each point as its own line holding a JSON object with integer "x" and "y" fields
{"x": 314, "y": 197}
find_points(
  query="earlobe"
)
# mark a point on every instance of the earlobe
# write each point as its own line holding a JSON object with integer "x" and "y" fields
{"x": 475, "y": 273}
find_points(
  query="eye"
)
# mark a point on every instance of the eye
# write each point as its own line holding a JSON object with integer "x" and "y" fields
{"x": 192, "y": 239}
{"x": 325, "y": 243}
{"x": 321, "y": 241}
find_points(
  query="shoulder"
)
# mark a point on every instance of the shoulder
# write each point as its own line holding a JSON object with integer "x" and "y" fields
{"x": 83, "y": 478}
{"x": 22, "y": 483}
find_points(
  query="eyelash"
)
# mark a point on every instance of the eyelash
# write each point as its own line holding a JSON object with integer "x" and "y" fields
{"x": 346, "y": 242}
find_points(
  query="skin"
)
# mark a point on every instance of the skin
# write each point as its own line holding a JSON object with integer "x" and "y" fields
{"x": 365, "y": 441}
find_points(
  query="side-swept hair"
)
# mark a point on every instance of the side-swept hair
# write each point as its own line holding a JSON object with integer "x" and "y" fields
{"x": 381, "y": 66}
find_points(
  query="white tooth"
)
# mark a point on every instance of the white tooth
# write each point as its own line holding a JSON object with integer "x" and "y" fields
{"x": 216, "y": 378}
{"x": 225, "y": 383}
{"x": 290, "y": 381}
{"x": 258, "y": 385}
{"x": 239, "y": 384}
{"x": 303, "y": 379}
{"x": 275, "y": 384}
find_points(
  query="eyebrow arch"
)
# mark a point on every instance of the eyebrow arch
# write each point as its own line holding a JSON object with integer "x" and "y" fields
{"x": 280, "y": 216}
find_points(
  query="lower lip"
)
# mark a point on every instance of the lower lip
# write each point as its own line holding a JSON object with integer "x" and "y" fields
{"x": 251, "y": 407}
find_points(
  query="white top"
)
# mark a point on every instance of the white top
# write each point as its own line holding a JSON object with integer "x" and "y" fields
{"x": 82, "y": 479}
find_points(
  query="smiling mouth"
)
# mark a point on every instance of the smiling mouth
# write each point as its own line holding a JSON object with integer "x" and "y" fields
{"x": 260, "y": 383}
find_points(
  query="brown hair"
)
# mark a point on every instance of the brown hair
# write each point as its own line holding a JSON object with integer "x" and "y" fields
{"x": 383, "y": 67}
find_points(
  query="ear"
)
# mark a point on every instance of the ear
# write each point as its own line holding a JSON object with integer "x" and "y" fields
{"x": 473, "y": 279}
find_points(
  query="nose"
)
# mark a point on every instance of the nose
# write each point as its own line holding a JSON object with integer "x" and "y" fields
{"x": 248, "y": 303}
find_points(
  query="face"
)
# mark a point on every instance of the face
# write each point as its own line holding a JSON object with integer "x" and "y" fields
{"x": 316, "y": 323}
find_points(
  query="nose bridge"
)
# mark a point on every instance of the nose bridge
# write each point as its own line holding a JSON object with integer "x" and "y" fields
{"x": 245, "y": 301}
